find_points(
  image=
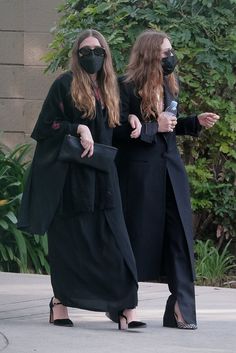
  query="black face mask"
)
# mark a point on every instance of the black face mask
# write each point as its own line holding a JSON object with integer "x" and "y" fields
{"x": 168, "y": 64}
{"x": 92, "y": 63}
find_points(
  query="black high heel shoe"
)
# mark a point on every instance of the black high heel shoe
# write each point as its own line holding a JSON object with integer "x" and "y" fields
{"x": 124, "y": 325}
{"x": 170, "y": 318}
{"x": 58, "y": 322}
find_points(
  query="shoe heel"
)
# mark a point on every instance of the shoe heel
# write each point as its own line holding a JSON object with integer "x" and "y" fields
{"x": 169, "y": 320}
{"x": 123, "y": 322}
{"x": 169, "y": 317}
{"x": 51, "y": 320}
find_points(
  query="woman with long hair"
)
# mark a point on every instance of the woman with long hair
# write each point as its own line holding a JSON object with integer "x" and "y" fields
{"x": 153, "y": 180}
{"x": 91, "y": 261}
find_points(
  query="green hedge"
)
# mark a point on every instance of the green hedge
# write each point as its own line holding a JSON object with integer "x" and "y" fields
{"x": 19, "y": 251}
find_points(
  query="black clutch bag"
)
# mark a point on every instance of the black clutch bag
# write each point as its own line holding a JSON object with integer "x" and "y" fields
{"x": 101, "y": 159}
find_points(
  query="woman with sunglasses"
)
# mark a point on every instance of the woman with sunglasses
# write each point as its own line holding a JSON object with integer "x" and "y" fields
{"x": 91, "y": 261}
{"x": 153, "y": 181}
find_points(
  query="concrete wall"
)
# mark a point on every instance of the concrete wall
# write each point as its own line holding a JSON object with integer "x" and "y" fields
{"x": 24, "y": 39}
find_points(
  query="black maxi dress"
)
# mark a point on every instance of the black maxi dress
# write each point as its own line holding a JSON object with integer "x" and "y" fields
{"x": 156, "y": 199}
{"x": 91, "y": 260}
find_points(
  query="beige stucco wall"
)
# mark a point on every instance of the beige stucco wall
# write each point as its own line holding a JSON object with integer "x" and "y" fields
{"x": 24, "y": 37}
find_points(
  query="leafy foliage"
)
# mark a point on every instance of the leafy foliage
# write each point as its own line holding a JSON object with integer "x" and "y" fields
{"x": 18, "y": 251}
{"x": 203, "y": 32}
{"x": 212, "y": 266}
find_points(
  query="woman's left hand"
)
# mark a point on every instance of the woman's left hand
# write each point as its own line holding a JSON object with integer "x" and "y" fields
{"x": 136, "y": 126}
{"x": 208, "y": 119}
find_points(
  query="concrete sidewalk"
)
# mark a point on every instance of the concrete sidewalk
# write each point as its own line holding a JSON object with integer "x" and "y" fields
{"x": 24, "y": 324}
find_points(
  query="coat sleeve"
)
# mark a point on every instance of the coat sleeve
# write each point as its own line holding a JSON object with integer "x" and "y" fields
{"x": 52, "y": 121}
{"x": 185, "y": 126}
{"x": 188, "y": 126}
{"x": 123, "y": 131}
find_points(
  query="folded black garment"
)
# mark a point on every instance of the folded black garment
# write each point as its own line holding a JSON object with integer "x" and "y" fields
{"x": 72, "y": 149}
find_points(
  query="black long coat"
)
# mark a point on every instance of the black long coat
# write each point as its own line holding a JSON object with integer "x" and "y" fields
{"x": 47, "y": 177}
{"x": 143, "y": 164}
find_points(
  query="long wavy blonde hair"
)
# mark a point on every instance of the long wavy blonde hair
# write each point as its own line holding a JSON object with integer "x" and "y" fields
{"x": 81, "y": 88}
{"x": 145, "y": 71}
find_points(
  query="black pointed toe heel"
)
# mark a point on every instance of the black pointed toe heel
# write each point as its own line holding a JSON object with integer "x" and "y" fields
{"x": 136, "y": 324}
{"x": 185, "y": 325}
{"x": 58, "y": 322}
{"x": 124, "y": 325}
{"x": 170, "y": 318}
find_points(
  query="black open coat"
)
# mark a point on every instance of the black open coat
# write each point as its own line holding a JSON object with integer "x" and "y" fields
{"x": 52, "y": 183}
{"x": 143, "y": 164}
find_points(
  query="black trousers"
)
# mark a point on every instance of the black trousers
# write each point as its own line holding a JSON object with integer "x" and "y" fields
{"x": 176, "y": 259}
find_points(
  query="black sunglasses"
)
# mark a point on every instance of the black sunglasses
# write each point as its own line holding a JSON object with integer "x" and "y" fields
{"x": 87, "y": 51}
{"x": 168, "y": 52}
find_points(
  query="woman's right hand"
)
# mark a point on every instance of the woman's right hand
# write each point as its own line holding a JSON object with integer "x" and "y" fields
{"x": 86, "y": 140}
{"x": 166, "y": 122}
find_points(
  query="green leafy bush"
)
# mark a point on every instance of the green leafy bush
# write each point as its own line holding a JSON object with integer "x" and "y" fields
{"x": 19, "y": 252}
{"x": 212, "y": 266}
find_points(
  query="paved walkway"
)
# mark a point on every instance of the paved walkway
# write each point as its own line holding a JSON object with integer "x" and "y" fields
{"x": 24, "y": 324}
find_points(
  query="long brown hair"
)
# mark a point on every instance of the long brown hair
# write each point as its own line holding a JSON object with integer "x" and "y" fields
{"x": 145, "y": 71}
{"x": 81, "y": 88}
